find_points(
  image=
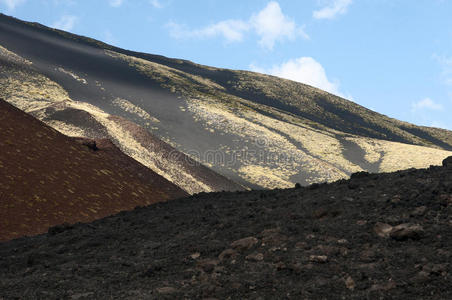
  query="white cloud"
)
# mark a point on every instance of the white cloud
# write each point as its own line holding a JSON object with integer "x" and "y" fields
{"x": 231, "y": 30}
{"x": 156, "y": 3}
{"x": 430, "y": 113}
{"x": 336, "y": 7}
{"x": 65, "y": 23}
{"x": 116, "y": 3}
{"x": 425, "y": 104}
{"x": 270, "y": 24}
{"x": 305, "y": 70}
{"x": 11, "y": 4}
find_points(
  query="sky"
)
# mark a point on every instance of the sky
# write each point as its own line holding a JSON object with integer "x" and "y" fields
{"x": 392, "y": 56}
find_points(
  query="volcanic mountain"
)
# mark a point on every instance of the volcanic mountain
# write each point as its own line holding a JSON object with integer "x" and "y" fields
{"x": 228, "y": 126}
{"x": 47, "y": 178}
{"x": 375, "y": 236}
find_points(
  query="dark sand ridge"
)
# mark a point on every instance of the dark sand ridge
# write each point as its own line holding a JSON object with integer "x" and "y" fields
{"x": 47, "y": 178}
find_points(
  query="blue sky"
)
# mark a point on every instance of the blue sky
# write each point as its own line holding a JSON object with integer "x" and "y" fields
{"x": 393, "y": 56}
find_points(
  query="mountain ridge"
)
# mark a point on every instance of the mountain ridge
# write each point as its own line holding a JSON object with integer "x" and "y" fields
{"x": 262, "y": 131}
{"x": 184, "y": 65}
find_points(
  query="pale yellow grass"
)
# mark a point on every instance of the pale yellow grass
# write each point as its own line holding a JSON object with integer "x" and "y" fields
{"x": 399, "y": 156}
{"x": 133, "y": 109}
{"x": 30, "y": 94}
{"x": 13, "y": 57}
{"x": 73, "y": 75}
{"x": 288, "y": 159}
{"x": 175, "y": 80}
{"x": 320, "y": 144}
{"x": 67, "y": 129}
{"x": 267, "y": 177}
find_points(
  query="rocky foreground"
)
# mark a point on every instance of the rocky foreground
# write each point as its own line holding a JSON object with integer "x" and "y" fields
{"x": 376, "y": 236}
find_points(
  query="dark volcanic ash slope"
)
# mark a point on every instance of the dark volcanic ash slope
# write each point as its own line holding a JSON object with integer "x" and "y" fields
{"x": 376, "y": 236}
{"x": 142, "y": 145}
{"x": 47, "y": 178}
{"x": 25, "y": 87}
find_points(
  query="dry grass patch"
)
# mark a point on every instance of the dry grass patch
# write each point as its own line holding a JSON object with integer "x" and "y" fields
{"x": 129, "y": 107}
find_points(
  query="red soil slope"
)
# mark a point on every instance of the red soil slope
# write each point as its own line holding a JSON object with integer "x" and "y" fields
{"x": 47, "y": 178}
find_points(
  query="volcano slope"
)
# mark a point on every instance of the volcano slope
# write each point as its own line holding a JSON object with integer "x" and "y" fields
{"x": 257, "y": 130}
{"x": 43, "y": 98}
{"x": 47, "y": 178}
{"x": 375, "y": 236}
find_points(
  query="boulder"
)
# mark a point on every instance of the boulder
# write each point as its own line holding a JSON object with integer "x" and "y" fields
{"x": 91, "y": 144}
{"x": 350, "y": 283}
{"x": 318, "y": 258}
{"x": 447, "y": 163}
{"x": 244, "y": 244}
{"x": 382, "y": 229}
{"x": 255, "y": 257}
{"x": 406, "y": 231}
{"x": 400, "y": 232}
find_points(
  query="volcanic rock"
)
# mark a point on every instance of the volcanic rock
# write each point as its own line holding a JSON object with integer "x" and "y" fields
{"x": 447, "y": 162}
{"x": 383, "y": 229}
{"x": 255, "y": 257}
{"x": 350, "y": 283}
{"x": 319, "y": 258}
{"x": 372, "y": 250}
{"x": 244, "y": 244}
{"x": 406, "y": 231}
